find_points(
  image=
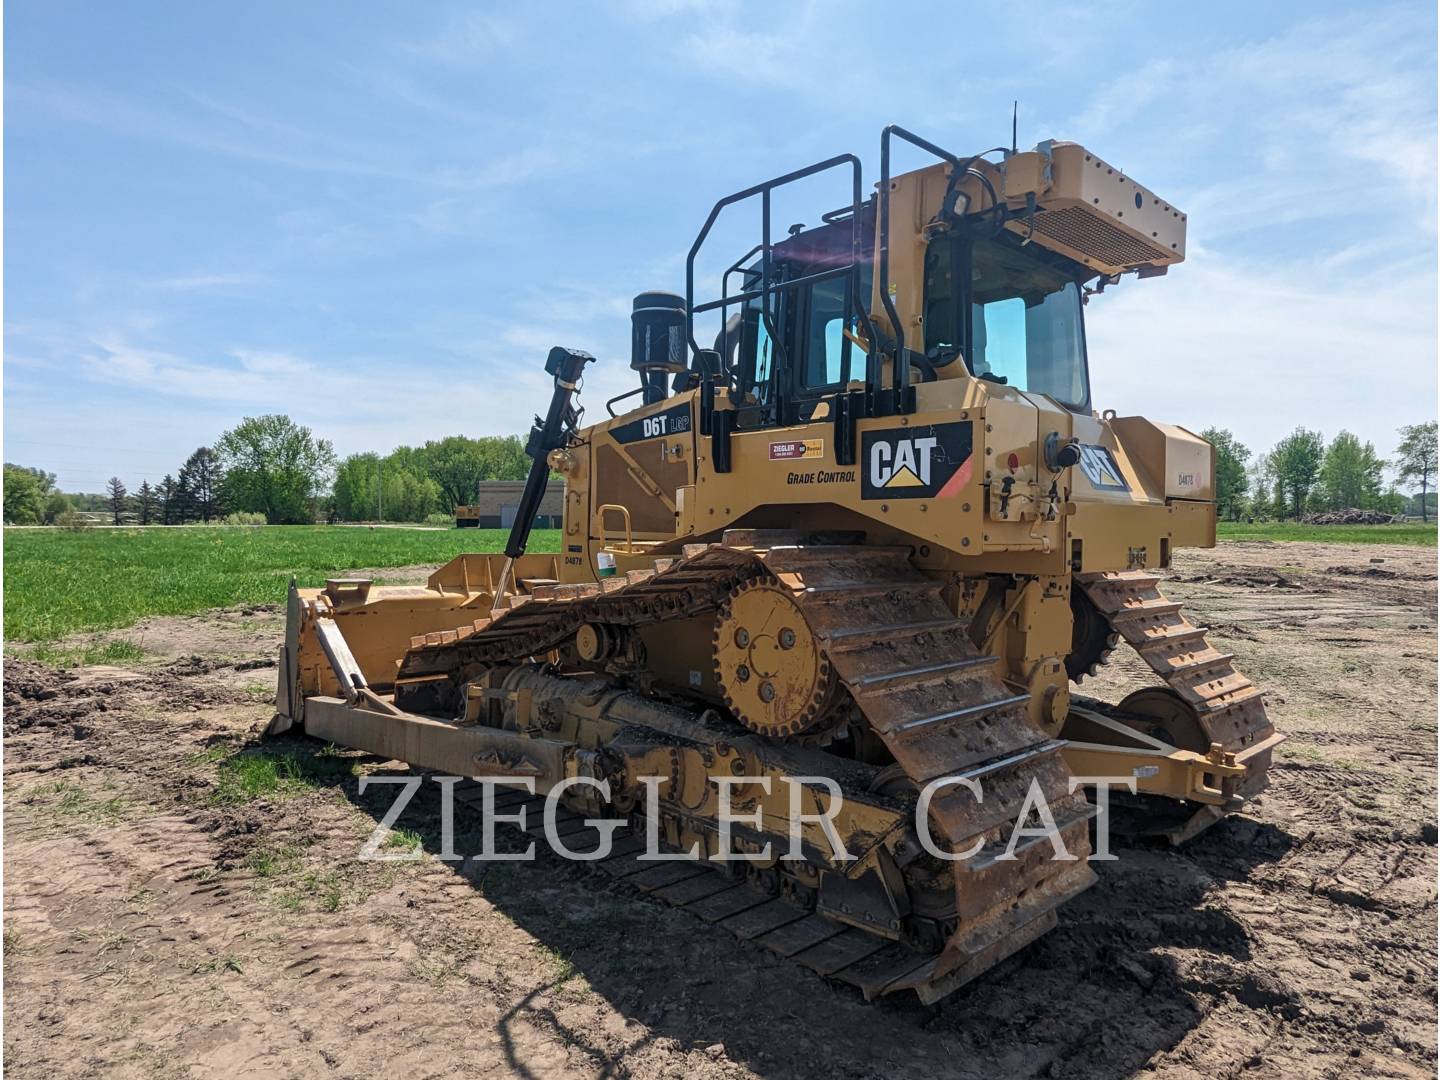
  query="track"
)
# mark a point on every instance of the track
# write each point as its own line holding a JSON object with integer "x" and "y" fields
{"x": 1227, "y": 707}
{"x": 907, "y": 663}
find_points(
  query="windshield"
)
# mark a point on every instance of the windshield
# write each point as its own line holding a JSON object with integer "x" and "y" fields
{"x": 1012, "y": 315}
{"x": 1035, "y": 343}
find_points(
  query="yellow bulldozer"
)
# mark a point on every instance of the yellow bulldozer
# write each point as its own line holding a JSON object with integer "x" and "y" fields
{"x": 824, "y": 588}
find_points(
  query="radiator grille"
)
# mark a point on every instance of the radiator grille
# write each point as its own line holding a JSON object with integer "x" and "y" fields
{"x": 1090, "y": 234}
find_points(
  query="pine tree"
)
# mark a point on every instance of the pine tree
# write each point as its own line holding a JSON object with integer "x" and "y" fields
{"x": 117, "y": 497}
{"x": 184, "y": 501}
{"x": 146, "y": 501}
{"x": 169, "y": 508}
{"x": 200, "y": 477}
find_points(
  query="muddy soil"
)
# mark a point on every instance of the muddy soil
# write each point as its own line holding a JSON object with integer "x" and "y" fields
{"x": 166, "y": 917}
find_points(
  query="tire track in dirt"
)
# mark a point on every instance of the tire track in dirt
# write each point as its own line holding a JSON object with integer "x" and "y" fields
{"x": 147, "y": 934}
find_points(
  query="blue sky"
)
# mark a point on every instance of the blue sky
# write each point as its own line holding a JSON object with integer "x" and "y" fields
{"x": 377, "y": 217}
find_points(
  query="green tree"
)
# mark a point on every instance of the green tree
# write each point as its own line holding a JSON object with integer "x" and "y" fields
{"x": 145, "y": 502}
{"x": 167, "y": 494}
{"x": 26, "y": 494}
{"x": 1415, "y": 459}
{"x": 56, "y": 503}
{"x": 200, "y": 479}
{"x": 1231, "y": 479}
{"x": 1294, "y": 468}
{"x": 354, "y": 491}
{"x": 1351, "y": 475}
{"x": 276, "y": 467}
{"x": 394, "y": 488}
{"x": 117, "y": 497}
{"x": 89, "y": 502}
{"x": 1392, "y": 502}
{"x": 407, "y": 497}
{"x": 458, "y": 463}
{"x": 1260, "y": 505}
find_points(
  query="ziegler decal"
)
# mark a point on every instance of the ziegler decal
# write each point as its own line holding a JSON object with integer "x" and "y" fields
{"x": 797, "y": 448}
{"x": 672, "y": 421}
{"x": 1099, "y": 467}
{"x": 916, "y": 462}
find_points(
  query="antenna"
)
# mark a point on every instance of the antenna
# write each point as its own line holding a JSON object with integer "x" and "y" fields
{"x": 1015, "y": 127}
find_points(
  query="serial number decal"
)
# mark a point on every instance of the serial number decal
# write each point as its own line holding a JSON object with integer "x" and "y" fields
{"x": 822, "y": 476}
{"x": 673, "y": 421}
{"x": 916, "y": 462}
{"x": 797, "y": 448}
{"x": 1189, "y": 479}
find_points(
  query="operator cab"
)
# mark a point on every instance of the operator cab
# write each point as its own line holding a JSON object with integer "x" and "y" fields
{"x": 987, "y": 280}
{"x": 1010, "y": 313}
{"x": 795, "y": 352}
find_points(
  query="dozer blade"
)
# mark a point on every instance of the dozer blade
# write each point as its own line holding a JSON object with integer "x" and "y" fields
{"x": 372, "y": 625}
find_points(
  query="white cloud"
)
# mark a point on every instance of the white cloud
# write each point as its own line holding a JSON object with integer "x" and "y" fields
{"x": 1307, "y": 166}
{"x": 271, "y": 362}
{"x": 492, "y": 387}
{"x": 792, "y": 47}
{"x": 1259, "y": 349}
{"x": 651, "y": 10}
{"x": 196, "y": 282}
{"x": 1327, "y": 117}
{"x": 218, "y": 127}
{"x": 474, "y": 37}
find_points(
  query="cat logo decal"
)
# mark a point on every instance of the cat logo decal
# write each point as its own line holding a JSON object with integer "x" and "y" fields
{"x": 930, "y": 462}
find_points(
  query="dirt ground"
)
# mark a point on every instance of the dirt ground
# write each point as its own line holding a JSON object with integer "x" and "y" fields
{"x": 161, "y": 922}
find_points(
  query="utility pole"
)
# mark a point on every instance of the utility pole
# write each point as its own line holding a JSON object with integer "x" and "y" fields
{"x": 379, "y": 494}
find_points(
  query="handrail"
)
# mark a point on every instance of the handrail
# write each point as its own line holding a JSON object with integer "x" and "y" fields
{"x": 900, "y": 369}
{"x": 806, "y": 279}
{"x": 630, "y": 548}
{"x": 852, "y": 308}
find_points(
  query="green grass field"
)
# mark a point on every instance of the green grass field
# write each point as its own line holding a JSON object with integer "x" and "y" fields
{"x": 58, "y": 583}
{"x": 1421, "y": 535}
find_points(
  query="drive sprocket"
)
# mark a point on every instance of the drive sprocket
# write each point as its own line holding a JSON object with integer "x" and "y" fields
{"x": 774, "y": 675}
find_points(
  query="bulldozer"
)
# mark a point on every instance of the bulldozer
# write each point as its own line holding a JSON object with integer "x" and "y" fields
{"x": 826, "y": 589}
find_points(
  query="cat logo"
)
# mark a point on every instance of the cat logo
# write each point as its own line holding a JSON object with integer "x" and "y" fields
{"x": 916, "y": 462}
{"x": 905, "y": 463}
{"x": 1098, "y": 465}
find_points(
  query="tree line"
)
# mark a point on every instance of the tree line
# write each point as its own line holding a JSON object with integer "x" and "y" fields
{"x": 1302, "y": 474}
{"x": 412, "y": 483}
{"x": 270, "y": 468}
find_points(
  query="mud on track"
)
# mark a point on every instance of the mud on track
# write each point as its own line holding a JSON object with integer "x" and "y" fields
{"x": 161, "y": 919}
